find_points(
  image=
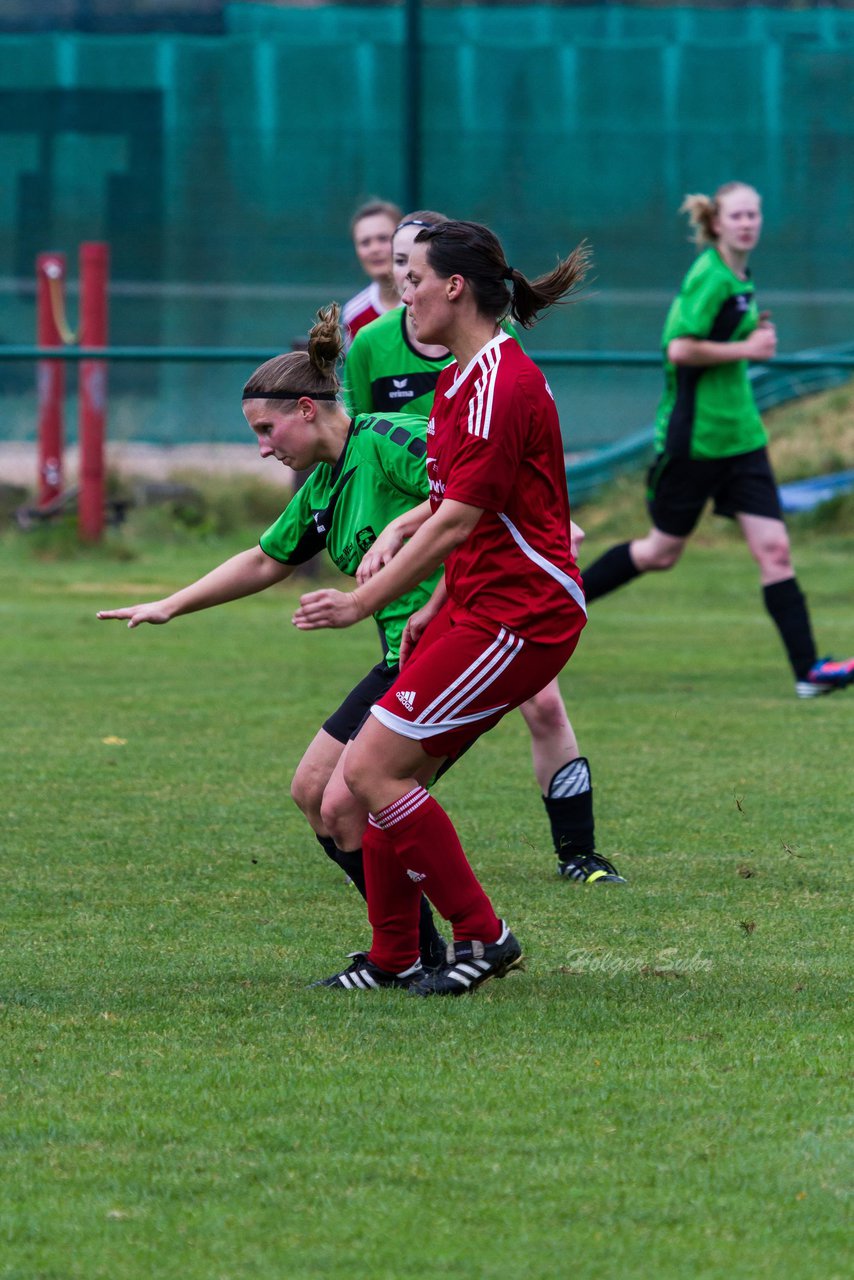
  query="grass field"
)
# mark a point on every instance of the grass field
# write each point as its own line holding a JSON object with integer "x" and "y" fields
{"x": 661, "y": 1094}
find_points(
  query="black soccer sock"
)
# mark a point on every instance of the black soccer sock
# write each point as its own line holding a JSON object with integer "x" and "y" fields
{"x": 613, "y": 569}
{"x": 352, "y": 865}
{"x": 787, "y": 606}
{"x": 431, "y": 944}
{"x": 327, "y": 844}
{"x": 569, "y": 806}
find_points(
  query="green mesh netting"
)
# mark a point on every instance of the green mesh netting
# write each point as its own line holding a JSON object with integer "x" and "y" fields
{"x": 223, "y": 170}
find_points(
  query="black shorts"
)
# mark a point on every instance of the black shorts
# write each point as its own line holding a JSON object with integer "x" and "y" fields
{"x": 679, "y": 488}
{"x": 346, "y": 722}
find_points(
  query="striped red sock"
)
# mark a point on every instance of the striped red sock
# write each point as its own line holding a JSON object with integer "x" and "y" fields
{"x": 426, "y": 844}
{"x": 394, "y": 903}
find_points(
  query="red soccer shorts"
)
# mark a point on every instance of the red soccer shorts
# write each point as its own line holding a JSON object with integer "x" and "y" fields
{"x": 463, "y": 676}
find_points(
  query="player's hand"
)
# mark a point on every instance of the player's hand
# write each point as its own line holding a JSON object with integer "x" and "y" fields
{"x": 576, "y": 537}
{"x": 154, "y": 612}
{"x": 377, "y": 556}
{"x": 327, "y": 608}
{"x": 414, "y": 630}
{"x": 762, "y": 343}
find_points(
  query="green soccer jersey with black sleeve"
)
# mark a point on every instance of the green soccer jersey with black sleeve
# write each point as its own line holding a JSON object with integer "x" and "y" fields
{"x": 709, "y": 412}
{"x": 380, "y": 474}
{"x": 383, "y": 373}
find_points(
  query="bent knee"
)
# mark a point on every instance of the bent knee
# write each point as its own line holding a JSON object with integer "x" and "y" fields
{"x": 357, "y": 774}
{"x": 661, "y": 558}
{"x": 545, "y": 712}
{"x": 306, "y": 792}
{"x": 775, "y": 554}
{"x": 338, "y": 808}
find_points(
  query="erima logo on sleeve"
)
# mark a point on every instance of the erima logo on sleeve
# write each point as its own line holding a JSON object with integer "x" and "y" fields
{"x": 407, "y": 697}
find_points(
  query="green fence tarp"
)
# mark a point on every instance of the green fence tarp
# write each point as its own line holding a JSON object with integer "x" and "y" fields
{"x": 223, "y": 170}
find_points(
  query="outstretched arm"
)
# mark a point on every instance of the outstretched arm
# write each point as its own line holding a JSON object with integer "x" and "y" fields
{"x": 428, "y": 547}
{"x": 242, "y": 575}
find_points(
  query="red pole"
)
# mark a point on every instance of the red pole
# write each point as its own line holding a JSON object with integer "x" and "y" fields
{"x": 94, "y": 274}
{"x": 50, "y": 279}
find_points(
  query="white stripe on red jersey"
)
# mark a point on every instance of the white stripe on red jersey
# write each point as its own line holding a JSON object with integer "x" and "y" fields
{"x": 480, "y": 409}
{"x": 496, "y": 445}
{"x": 568, "y": 584}
{"x": 367, "y": 299}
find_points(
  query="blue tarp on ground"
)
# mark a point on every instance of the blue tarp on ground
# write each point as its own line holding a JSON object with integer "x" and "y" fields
{"x": 804, "y": 495}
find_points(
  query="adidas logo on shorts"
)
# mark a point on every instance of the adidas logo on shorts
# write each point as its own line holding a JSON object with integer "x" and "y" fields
{"x": 407, "y": 698}
{"x": 417, "y": 876}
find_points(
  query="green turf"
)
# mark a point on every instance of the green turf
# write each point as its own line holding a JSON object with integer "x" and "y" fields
{"x": 661, "y": 1093}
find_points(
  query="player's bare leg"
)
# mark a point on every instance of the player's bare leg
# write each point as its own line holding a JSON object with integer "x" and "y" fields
{"x": 312, "y": 776}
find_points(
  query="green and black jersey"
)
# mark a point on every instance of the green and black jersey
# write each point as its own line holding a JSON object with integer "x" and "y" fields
{"x": 380, "y": 474}
{"x": 709, "y": 412}
{"x": 384, "y": 373}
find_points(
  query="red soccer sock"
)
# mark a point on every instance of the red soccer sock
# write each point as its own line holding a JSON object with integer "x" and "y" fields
{"x": 432, "y": 858}
{"x": 394, "y": 903}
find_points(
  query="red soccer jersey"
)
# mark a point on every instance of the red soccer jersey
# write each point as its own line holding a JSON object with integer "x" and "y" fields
{"x": 494, "y": 442}
{"x": 362, "y": 309}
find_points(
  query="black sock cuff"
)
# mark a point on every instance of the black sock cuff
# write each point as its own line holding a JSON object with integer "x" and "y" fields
{"x": 327, "y": 844}
{"x": 613, "y": 569}
{"x": 779, "y": 595}
{"x": 351, "y": 863}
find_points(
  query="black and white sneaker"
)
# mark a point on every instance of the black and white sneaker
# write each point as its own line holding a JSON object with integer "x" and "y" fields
{"x": 363, "y": 975}
{"x": 470, "y": 964}
{"x": 589, "y": 868}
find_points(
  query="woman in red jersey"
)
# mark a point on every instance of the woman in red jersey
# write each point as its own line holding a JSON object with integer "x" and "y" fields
{"x": 501, "y": 625}
{"x": 372, "y": 227}
{"x": 388, "y": 369}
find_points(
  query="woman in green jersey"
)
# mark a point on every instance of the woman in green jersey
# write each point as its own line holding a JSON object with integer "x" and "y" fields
{"x": 710, "y": 441}
{"x": 388, "y": 368}
{"x": 368, "y": 471}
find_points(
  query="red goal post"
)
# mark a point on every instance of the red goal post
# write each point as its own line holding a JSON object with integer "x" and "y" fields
{"x": 52, "y": 330}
